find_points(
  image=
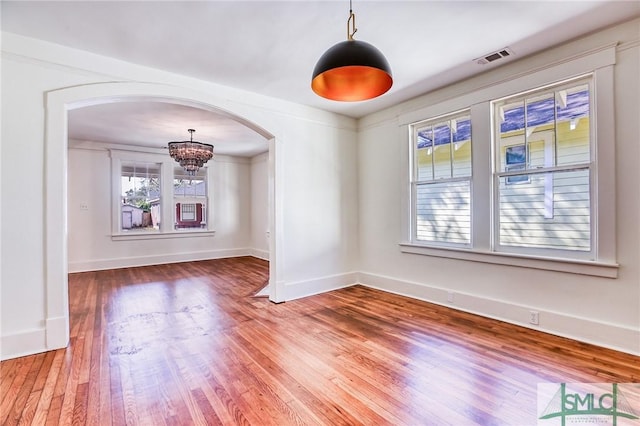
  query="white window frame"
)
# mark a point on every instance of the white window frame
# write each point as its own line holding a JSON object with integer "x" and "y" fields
{"x": 167, "y": 228}
{"x": 194, "y": 199}
{"x": 598, "y": 62}
{"x": 135, "y": 164}
{"x": 589, "y": 165}
{"x": 415, "y": 182}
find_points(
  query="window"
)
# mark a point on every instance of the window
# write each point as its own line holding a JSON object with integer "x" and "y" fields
{"x": 543, "y": 174}
{"x": 188, "y": 212}
{"x": 190, "y": 199}
{"x": 543, "y": 158}
{"x": 515, "y": 159}
{"x": 153, "y": 198}
{"x": 140, "y": 196}
{"x": 441, "y": 181}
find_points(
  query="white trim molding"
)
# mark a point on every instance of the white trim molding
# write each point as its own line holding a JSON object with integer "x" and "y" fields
{"x": 573, "y": 266}
{"x": 299, "y": 289}
{"x": 135, "y": 261}
{"x": 28, "y": 342}
{"x": 259, "y": 254}
{"x": 608, "y": 335}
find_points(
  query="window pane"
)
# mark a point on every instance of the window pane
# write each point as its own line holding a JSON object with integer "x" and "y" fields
{"x": 510, "y": 122}
{"x": 573, "y": 125}
{"x": 461, "y": 129}
{"x": 443, "y": 212}
{"x": 190, "y": 199}
{"x": 557, "y": 126}
{"x": 540, "y": 133}
{"x": 140, "y": 196}
{"x": 424, "y": 153}
{"x": 442, "y": 151}
{"x": 540, "y": 112}
{"x": 540, "y": 153}
{"x": 551, "y": 211}
{"x": 511, "y": 116}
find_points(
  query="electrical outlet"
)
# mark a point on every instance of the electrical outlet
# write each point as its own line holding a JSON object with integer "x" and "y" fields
{"x": 84, "y": 206}
{"x": 450, "y": 297}
{"x": 534, "y": 317}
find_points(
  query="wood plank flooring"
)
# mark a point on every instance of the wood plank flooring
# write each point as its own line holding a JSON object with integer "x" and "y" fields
{"x": 186, "y": 344}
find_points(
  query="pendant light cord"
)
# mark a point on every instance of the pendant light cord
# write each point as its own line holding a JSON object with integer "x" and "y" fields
{"x": 351, "y": 23}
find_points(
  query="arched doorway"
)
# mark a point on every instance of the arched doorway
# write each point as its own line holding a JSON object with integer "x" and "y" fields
{"x": 58, "y": 103}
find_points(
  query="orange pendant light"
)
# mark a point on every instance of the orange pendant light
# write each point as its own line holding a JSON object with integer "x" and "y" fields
{"x": 351, "y": 70}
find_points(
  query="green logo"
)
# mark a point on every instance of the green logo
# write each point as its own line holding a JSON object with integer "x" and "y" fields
{"x": 583, "y": 402}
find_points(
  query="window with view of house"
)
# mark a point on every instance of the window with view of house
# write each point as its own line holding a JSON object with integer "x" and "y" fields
{"x": 543, "y": 170}
{"x": 187, "y": 212}
{"x": 154, "y": 198}
{"x": 190, "y": 199}
{"x": 543, "y": 161}
{"x": 441, "y": 182}
{"x": 140, "y": 197}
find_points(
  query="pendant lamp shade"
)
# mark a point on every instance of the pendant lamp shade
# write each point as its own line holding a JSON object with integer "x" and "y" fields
{"x": 352, "y": 70}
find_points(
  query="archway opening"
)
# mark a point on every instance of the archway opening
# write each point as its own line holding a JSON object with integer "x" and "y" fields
{"x": 62, "y": 103}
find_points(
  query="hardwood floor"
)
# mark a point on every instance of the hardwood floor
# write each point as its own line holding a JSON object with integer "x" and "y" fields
{"x": 187, "y": 344}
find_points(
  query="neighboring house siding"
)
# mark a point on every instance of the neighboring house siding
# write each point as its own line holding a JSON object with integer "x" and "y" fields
{"x": 443, "y": 210}
{"x": 197, "y": 223}
{"x": 550, "y": 209}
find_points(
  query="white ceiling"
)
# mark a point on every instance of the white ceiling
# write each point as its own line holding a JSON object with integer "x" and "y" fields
{"x": 271, "y": 47}
{"x": 155, "y": 124}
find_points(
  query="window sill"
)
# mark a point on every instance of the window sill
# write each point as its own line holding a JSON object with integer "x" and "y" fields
{"x": 161, "y": 235}
{"x": 582, "y": 267}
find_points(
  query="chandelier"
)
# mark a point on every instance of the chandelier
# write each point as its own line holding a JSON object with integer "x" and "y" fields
{"x": 191, "y": 154}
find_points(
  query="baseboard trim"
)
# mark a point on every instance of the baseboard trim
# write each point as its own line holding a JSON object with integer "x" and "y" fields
{"x": 260, "y": 254}
{"x": 25, "y": 343}
{"x": 57, "y": 333}
{"x": 300, "y": 289}
{"x": 130, "y": 262}
{"x": 612, "y": 336}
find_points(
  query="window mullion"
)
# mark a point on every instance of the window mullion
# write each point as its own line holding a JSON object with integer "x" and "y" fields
{"x": 481, "y": 176}
{"x": 450, "y": 149}
{"x": 433, "y": 153}
{"x": 166, "y": 201}
{"x": 541, "y": 170}
{"x": 527, "y": 158}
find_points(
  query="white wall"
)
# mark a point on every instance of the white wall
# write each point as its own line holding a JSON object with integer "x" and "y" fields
{"x": 91, "y": 246}
{"x": 314, "y": 156}
{"x": 604, "y": 311}
{"x": 260, "y": 206}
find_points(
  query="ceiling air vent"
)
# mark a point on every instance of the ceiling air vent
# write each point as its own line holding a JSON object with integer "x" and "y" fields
{"x": 492, "y": 57}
